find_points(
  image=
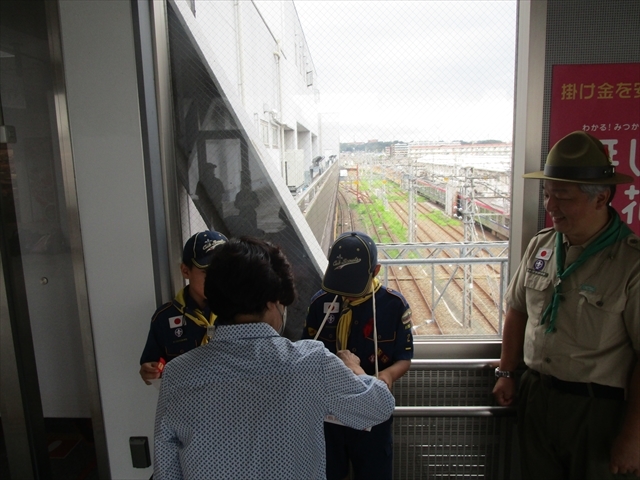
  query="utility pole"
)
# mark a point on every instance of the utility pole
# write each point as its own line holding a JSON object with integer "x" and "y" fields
{"x": 412, "y": 199}
{"x": 468, "y": 221}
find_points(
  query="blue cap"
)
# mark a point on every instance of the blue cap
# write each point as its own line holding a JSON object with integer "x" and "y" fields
{"x": 352, "y": 260}
{"x": 198, "y": 249}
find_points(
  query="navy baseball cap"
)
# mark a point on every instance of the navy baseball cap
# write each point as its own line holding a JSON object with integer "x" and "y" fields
{"x": 198, "y": 249}
{"x": 352, "y": 260}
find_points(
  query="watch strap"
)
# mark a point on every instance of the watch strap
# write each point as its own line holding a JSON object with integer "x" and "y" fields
{"x": 504, "y": 373}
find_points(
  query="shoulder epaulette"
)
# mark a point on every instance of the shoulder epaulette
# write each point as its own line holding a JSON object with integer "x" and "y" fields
{"x": 544, "y": 230}
{"x": 396, "y": 293}
{"x": 633, "y": 241}
{"x": 161, "y": 309}
{"x": 317, "y": 295}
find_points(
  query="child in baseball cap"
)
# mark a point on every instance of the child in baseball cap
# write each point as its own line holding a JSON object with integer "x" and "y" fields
{"x": 354, "y": 312}
{"x": 186, "y": 322}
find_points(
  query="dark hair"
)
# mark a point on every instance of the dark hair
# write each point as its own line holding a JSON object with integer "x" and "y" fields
{"x": 246, "y": 273}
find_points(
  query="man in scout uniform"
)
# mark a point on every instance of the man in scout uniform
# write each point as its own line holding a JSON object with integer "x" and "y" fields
{"x": 354, "y": 312}
{"x": 574, "y": 317}
{"x": 186, "y": 322}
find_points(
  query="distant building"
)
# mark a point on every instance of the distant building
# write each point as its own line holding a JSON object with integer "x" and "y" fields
{"x": 397, "y": 150}
{"x": 421, "y": 149}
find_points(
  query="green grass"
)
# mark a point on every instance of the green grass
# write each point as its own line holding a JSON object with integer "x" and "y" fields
{"x": 395, "y": 226}
{"x": 440, "y": 218}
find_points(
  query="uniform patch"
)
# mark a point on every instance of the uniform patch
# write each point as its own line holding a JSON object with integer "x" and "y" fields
{"x": 178, "y": 332}
{"x": 367, "y": 331}
{"x": 331, "y": 319}
{"x": 535, "y": 272}
{"x": 332, "y": 307}
{"x": 538, "y": 265}
{"x": 544, "y": 253}
{"x": 175, "y": 322}
{"x": 406, "y": 316}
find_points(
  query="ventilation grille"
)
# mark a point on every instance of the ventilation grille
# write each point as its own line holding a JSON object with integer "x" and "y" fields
{"x": 450, "y": 447}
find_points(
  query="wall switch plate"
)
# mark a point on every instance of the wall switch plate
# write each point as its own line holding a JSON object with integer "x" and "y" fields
{"x": 140, "y": 452}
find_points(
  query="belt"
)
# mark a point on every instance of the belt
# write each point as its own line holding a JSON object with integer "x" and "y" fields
{"x": 593, "y": 390}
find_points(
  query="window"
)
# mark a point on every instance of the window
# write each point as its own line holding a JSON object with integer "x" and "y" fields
{"x": 264, "y": 128}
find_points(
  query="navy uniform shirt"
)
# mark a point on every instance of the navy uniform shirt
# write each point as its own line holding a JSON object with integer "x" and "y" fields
{"x": 172, "y": 332}
{"x": 395, "y": 340}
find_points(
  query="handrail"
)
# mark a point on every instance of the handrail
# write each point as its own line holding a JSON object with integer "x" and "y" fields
{"x": 442, "y": 261}
{"x": 463, "y": 411}
{"x": 455, "y": 411}
{"x": 453, "y": 364}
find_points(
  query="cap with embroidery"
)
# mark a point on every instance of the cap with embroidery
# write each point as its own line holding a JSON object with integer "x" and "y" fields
{"x": 352, "y": 261}
{"x": 198, "y": 249}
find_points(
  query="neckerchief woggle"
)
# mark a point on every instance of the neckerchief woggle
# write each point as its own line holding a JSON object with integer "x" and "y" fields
{"x": 344, "y": 322}
{"x": 616, "y": 231}
{"x": 197, "y": 317}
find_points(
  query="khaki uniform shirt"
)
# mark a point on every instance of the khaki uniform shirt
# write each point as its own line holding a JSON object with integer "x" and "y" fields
{"x": 597, "y": 337}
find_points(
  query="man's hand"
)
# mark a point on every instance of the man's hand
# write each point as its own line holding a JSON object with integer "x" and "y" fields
{"x": 625, "y": 454}
{"x": 351, "y": 361}
{"x": 149, "y": 371}
{"x": 505, "y": 391}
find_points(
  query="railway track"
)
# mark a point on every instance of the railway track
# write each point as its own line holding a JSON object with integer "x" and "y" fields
{"x": 409, "y": 286}
{"x": 483, "y": 308}
{"x": 344, "y": 215}
{"x": 413, "y": 281}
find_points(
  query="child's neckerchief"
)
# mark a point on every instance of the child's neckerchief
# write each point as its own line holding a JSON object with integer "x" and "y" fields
{"x": 197, "y": 316}
{"x": 344, "y": 322}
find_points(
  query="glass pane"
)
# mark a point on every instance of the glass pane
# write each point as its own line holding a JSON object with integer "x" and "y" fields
{"x": 34, "y": 175}
{"x": 225, "y": 184}
{"x": 414, "y": 99}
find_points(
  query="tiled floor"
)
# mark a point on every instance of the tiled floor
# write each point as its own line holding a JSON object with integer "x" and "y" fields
{"x": 71, "y": 451}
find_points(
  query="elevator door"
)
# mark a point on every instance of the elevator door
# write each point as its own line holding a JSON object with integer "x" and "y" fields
{"x": 37, "y": 241}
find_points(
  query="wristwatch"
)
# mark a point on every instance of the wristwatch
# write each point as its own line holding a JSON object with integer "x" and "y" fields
{"x": 504, "y": 373}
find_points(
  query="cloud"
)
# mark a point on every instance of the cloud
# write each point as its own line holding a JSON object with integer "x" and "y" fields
{"x": 397, "y": 69}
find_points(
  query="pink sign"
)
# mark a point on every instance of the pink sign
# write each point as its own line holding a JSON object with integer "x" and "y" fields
{"x": 603, "y": 100}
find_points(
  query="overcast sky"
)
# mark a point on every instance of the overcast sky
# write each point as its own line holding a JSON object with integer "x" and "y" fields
{"x": 414, "y": 70}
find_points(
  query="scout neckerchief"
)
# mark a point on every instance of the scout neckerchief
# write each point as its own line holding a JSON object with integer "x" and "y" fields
{"x": 344, "y": 323}
{"x": 617, "y": 230}
{"x": 198, "y": 317}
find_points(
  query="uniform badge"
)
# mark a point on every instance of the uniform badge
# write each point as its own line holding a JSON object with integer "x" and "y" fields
{"x": 332, "y": 307}
{"x": 178, "y": 332}
{"x": 544, "y": 253}
{"x": 538, "y": 265}
{"x": 175, "y": 322}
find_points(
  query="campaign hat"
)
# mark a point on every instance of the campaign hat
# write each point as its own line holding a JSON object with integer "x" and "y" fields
{"x": 199, "y": 248}
{"x": 580, "y": 158}
{"x": 352, "y": 261}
